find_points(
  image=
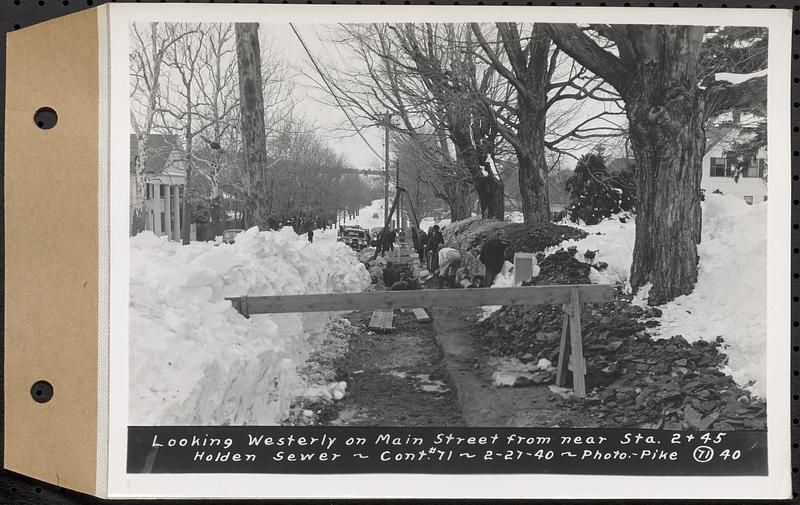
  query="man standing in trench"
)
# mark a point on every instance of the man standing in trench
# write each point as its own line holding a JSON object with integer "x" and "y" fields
{"x": 493, "y": 255}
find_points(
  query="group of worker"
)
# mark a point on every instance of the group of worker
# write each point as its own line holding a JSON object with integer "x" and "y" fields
{"x": 386, "y": 240}
{"x": 445, "y": 262}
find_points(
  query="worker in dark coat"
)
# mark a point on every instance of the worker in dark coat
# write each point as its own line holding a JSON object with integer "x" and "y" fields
{"x": 310, "y": 235}
{"x": 379, "y": 247}
{"x": 388, "y": 240}
{"x": 493, "y": 255}
{"x": 422, "y": 242}
{"x": 435, "y": 241}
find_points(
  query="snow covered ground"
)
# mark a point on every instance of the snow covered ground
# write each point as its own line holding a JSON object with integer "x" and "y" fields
{"x": 731, "y": 292}
{"x": 194, "y": 359}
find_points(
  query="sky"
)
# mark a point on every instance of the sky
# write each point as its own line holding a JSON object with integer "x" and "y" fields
{"x": 329, "y": 119}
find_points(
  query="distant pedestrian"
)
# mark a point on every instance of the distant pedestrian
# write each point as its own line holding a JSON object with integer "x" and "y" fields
{"x": 493, "y": 255}
{"x": 311, "y": 235}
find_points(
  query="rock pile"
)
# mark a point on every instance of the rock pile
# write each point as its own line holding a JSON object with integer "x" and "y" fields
{"x": 632, "y": 380}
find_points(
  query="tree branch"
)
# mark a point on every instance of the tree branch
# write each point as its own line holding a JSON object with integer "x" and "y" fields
{"x": 573, "y": 41}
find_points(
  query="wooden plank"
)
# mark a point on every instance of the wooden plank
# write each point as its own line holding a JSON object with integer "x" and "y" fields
{"x": 529, "y": 295}
{"x": 563, "y": 349}
{"x": 576, "y": 343}
{"x": 421, "y": 315}
{"x": 382, "y": 319}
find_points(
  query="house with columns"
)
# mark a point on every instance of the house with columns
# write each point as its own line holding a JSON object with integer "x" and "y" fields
{"x": 164, "y": 183}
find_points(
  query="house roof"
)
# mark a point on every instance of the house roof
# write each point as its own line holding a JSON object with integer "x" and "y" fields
{"x": 160, "y": 154}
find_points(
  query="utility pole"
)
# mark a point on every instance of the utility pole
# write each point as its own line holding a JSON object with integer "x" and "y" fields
{"x": 386, "y": 117}
{"x": 400, "y": 202}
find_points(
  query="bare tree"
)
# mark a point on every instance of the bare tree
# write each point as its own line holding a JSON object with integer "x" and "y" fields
{"x": 219, "y": 92}
{"x": 257, "y": 184}
{"x": 530, "y": 65}
{"x": 408, "y": 70}
{"x": 656, "y": 69}
{"x": 180, "y": 112}
{"x": 149, "y": 49}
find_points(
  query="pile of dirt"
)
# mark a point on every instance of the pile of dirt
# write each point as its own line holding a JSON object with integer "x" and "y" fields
{"x": 470, "y": 235}
{"x": 561, "y": 267}
{"x": 631, "y": 379}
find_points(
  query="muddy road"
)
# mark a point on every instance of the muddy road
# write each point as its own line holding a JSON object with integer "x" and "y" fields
{"x": 395, "y": 378}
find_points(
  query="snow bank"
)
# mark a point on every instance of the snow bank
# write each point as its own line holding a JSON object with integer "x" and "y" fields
{"x": 505, "y": 279}
{"x": 730, "y": 297}
{"x": 194, "y": 359}
{"x": 614, "y": 240}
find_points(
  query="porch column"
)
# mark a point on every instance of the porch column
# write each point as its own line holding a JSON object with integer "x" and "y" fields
{"x": 177, "y": 202}
{"x": 168, "y": 211}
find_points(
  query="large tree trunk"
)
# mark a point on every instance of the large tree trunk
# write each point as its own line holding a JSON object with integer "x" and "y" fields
{"x": 487, "y": 184}
{"x": 657, "y": 73}
{"x": 457, "y": 194}
{"x": 533, "y": 170}
{"x": 254, "y": 142}
{"x": 666, "y": 112}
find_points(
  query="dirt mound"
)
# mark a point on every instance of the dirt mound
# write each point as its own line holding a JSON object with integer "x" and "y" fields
{"x": 561, "y": 267}
{"x": 472, "y": 233}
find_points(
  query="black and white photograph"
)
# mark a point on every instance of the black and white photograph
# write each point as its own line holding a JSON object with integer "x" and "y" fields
{"x": 455, "y": 224}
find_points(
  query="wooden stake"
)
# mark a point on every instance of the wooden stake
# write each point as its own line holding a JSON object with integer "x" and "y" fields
{"x": 563, "y": 349}
{"x": 576, "y": 343}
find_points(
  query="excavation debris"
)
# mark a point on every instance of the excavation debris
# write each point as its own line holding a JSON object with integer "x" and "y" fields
{"x": 632, "y": 379}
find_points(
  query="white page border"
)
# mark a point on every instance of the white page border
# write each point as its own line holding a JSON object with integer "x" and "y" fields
{"x": 776, "y": 485}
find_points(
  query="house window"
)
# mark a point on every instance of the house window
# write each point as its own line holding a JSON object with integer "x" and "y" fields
{"x": 751, "y": 168}
{"x": 748, "y": 199}
{"x": 765, "y": 198}
{"x": 762, "y": 167}
{"x": 146, "y": 191}
{"x": 161, "y": 190}
{"x": 717, "y": 167}
{"x": 163, "y": 227}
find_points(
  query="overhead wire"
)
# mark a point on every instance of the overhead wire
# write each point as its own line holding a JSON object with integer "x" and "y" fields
{"x": 330, "y": 90}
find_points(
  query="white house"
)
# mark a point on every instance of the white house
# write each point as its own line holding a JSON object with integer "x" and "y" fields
{"x": 718, "y": 172}
{"x": 165, "y": 178}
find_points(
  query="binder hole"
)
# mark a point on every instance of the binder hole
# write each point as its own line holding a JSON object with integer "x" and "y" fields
{"x": 45, "y": 118}
{"x": 41, "y": 391}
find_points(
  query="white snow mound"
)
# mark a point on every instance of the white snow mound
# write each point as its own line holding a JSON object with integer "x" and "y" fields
{"x": 730, "y": 298}
{"x": 196, "y": 360}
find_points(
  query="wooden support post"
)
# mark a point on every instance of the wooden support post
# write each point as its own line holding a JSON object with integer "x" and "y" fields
{"x": 576, "y": 343}
{"x": 563, "y": 350}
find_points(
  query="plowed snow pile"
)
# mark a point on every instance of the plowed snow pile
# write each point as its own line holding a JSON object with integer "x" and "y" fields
{"x": 194, "y": 359}
{"x": 730, "y": 296}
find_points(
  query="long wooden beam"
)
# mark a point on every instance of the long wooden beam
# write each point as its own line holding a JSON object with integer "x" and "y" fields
{"x": 530, "y": 295}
